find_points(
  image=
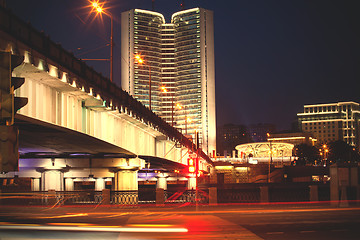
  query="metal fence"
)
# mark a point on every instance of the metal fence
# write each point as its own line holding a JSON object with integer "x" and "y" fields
{"x": 187, "y": 196}
{"x": 124, "y": 197}
{"x": 51, "y": 197}
{"x": 79, "y": 197}
{"x": 284, "y": 192}
{"x": 235, "y": 193}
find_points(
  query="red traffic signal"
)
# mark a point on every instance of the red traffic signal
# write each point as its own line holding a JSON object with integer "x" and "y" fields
{"x": 192, "y": 164}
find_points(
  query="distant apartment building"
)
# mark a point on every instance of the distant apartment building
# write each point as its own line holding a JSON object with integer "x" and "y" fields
{"x": 229, "y": 136}
{"x": 331, "y": 122}
{"x": 259, "y": 131}
{"x": 177, "y": 76}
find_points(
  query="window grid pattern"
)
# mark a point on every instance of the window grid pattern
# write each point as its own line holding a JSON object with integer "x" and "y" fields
{"x": 173, "y": 52}
{"x": 147, "y": 43}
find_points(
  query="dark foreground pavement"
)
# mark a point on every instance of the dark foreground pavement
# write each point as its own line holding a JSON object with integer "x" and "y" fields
{"x": 231, "y": 221}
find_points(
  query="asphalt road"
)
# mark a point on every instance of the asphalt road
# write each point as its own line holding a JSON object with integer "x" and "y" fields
{"x": 182, "y": 222}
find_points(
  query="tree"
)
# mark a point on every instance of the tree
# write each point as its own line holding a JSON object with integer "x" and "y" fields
{"x": 341, "y": 152}
{"x": 306, "y": 154}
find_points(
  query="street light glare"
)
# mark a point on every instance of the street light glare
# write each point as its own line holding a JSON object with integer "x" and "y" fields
{"x": 164, "y": 89}
{"x": 97, "y": 7}
{"x": 139, "y": 59}
{"x": 178, "y": 106}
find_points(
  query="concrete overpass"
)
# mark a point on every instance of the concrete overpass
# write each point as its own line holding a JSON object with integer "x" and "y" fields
{"x": 78, "y": 124}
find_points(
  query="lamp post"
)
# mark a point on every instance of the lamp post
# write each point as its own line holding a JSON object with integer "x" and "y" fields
{"x": 98, "y": 8}
{"x": 142, "y": 62}
{"x": 270, "y": 159}
{"x": 326, "y": 151}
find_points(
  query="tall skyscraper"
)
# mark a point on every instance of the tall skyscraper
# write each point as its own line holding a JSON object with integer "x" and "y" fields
{"x": 177, "y": 76}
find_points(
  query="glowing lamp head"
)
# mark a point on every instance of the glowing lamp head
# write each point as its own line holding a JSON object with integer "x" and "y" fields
{"x": 163, "y": 89}
{"x": 99, "y": 9}
{"x": 178, "y": 106}
{"x": 139, "y": 59}
{"x": 96, "y": 6}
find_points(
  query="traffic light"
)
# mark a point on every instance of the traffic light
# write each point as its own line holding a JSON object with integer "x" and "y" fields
{"x": 192, "y": 164}
{"x": 9, "y": 148}
{"x": 9, "y": 104}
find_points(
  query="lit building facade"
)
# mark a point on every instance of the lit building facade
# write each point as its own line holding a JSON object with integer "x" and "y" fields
{"x": 295, "y": 138}
{"x": 332, "y": 122}
{"x": 262, "y": 152}
{"x": 178, "y": 77}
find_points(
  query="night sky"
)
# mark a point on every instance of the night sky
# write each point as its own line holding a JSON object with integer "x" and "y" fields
{"x": 271, "y": 56}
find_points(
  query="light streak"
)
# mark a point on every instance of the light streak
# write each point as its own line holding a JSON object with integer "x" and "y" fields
{"x": 150, "y": 225}
{"x": 95, "y": 228}
{"x": 66, "y": 216}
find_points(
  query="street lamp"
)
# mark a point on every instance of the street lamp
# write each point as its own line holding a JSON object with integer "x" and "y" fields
{"x": 142, "y": 62}
{"x": 326, "y": 151}
{"x": 270, "y": 159}
{"x": 99, "y": 9}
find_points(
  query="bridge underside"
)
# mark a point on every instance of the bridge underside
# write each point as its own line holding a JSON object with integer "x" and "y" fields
{"x": 38, "y": 139}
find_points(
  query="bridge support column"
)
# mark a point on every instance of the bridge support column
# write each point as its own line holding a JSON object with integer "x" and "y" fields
{"x": 52, "y": 179}
{"x": 99, "y": 184}
{"x": 161, "y": 181}
{"x": 35, "y": 184}
{"x": 126, "y": 186}
{"x": 69, "y": 184}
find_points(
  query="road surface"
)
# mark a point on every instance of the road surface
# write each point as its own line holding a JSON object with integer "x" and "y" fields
{"x": 255, "y": 221}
